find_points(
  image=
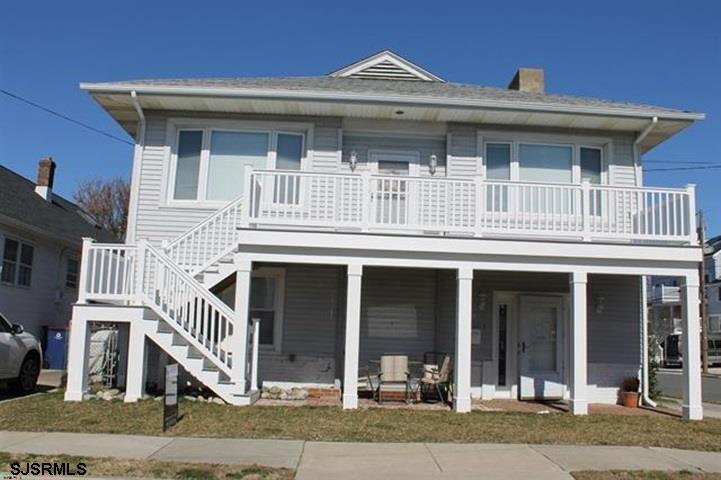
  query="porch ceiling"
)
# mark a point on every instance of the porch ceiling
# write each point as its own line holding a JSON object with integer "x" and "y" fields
{"x": 119, "y": 105}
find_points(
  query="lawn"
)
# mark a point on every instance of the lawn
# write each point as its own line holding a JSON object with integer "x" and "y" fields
{"x": 115, "y": 467}
{"x": 50, "y": 413}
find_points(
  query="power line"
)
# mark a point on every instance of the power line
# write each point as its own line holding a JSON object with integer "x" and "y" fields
{"x": 64, "y": 117}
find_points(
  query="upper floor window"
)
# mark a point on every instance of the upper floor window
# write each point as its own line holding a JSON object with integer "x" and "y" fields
{"x": 17, "y": 262}
{"x": 209, "y": 163}
{"x": 519, "y": 160}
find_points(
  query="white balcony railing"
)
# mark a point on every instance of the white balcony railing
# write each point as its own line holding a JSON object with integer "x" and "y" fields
{"x": 470, "y": 206}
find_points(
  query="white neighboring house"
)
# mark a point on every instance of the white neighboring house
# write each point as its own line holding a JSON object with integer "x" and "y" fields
{"x": 712, "y": 263}
{"x": 290, "y": 230}
{"x": 40, "y": 243}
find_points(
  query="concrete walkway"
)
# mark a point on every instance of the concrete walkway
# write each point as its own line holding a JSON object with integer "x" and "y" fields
{"x": 332, "y": 460}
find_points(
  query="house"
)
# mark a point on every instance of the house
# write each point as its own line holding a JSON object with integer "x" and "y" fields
{"x": 287, "y": 231}
{"x": 40, "y": 242}
{"x": 712, "y": 264}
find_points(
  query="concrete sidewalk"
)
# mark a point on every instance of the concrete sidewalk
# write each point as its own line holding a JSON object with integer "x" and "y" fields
{"x": 331, "y": 460}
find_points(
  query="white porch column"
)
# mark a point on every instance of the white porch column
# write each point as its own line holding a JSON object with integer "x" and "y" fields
{"x": 462, "y": 370}
{"x": 239, "y": 341}
{"x": 137, "y": 362}
{"x": 579, "y": 343}
{"x": 352, "y": 336}
{"x": 692, "y": 409}
{"x": 78, "y": 348}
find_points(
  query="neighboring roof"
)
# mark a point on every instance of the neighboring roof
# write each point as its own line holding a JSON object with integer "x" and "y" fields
{"x": 60, "y": 218}
{"x": 378, "y": 87}
{"x": 713, "y": 245}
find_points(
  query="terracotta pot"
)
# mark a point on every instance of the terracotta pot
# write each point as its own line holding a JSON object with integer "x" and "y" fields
{"x": 629, "y": 399}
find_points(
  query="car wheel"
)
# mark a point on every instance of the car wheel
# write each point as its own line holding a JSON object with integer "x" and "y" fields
{"x": 29, "y": 372}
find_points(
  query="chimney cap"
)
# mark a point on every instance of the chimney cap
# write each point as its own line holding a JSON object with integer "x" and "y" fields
{"x": 528, "y": 80}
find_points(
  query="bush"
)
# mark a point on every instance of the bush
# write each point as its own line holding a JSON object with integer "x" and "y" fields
{"x": 630, "y": 384}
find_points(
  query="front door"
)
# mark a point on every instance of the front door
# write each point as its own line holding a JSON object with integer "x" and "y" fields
{"x": 393, "y": 192}
{"x": 540, "y": 347}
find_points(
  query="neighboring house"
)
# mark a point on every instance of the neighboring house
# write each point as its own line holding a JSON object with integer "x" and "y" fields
{"x": 40, "y": 242}
{"x": 290, "y": 230}
{"x": 712, "y": 264}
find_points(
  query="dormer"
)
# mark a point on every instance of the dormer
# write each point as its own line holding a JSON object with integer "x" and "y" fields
{"x": 386, "y": 65}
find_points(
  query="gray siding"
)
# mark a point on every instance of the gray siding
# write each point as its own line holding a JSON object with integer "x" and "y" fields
{"x": 614, "y": 333}
{"x": 47, "y": 302}
{"x": 397, "y": 313}
{"x": 425, "y": 146}
{"x": 464, "y": 160}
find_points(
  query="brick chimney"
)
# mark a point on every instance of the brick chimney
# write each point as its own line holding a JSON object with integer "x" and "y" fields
{"x": 528, "y": 80}
{"x": 46, "y": 177}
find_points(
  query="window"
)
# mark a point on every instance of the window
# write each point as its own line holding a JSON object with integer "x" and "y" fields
{"x": 188, "y": 165}
{"x": 718, "y": 294}
{"x": 209, "y": 163}
{"x": 17, "y": 263}
{"x": 545, "y": 163}
{"x": 591, "y": 166}
{"x": 498, "y": 161}
{"x": 71, "y": 275}
{"x": 266, "y": 304}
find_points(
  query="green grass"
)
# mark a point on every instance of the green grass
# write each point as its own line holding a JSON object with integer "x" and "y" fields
{"x": 644, "y": 475}
{"x": 49, "y": 413}
{"x": 115, "y": 467}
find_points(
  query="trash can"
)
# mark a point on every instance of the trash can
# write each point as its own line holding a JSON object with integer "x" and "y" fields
{"x": 56, "y": 347}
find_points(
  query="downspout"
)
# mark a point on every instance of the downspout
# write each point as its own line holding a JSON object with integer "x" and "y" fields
{"x": 644, "y": 347}
{"x": 135, "y": 177}
{"x": 637, "y": 151}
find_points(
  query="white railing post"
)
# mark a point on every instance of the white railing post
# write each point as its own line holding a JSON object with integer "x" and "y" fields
{"x": 140, "y": 270}
{"x": 366, "y": 201}
{"x": 692, "y": 233}
{"x": 239, "y": 339}
{"x": 479, "y": 197}
{"x": 586, "y": 201}
{"x": 254, "y": 362}
{"x": 85, "y": 265}
{"x": 248, "y": 195}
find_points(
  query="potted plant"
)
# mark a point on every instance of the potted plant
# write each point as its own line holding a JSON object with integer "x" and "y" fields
{"x": 629, "y": 392}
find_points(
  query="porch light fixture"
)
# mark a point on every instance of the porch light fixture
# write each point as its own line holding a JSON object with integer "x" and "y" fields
{"x": 353, "y": 160}
{"x": 482, "y": 301}
{"x": 599, "y": 303}
{"x": 433, "y": 164}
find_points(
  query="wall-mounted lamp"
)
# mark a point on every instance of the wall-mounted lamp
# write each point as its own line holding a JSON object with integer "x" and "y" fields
{"x": 482, "y": 301}
{"x": 353, "y": 160}
{"x": 599, "y": 303}
{"x": 433, "y": 164}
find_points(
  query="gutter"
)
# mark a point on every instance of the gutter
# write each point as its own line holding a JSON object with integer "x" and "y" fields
{"x": 397, "y": 100}
{"x": 135, "y": 176}
{"x": 646, "y": 131}
{"x": 637, "y": 150}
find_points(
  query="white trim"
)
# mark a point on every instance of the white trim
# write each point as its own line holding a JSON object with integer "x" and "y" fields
{"x": 278, "y": 274}
{"x": 413, "y": 157}
{"x": 386, "y": 56}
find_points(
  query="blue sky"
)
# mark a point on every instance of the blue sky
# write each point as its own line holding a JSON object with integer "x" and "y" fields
{"x": 659, "y": 52}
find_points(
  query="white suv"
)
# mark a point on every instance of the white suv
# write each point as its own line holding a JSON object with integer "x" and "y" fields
{"x": 20, "y": 357}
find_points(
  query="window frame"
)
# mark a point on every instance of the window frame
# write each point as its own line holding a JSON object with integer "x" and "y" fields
{"x": 575, "y": 142}
{"x": 278, "y": 274}
{"x": 207, "y": 126}
{"x": 18, "y": 263}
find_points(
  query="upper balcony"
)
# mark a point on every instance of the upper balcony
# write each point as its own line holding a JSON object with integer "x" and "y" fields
{"x": 468, "y": 206}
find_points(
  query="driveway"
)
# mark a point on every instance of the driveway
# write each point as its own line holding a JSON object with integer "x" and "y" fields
{"x": 48, "y": 380}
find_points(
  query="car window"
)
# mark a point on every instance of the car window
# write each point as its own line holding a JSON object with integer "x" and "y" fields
{"x": 5, "y": 326}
